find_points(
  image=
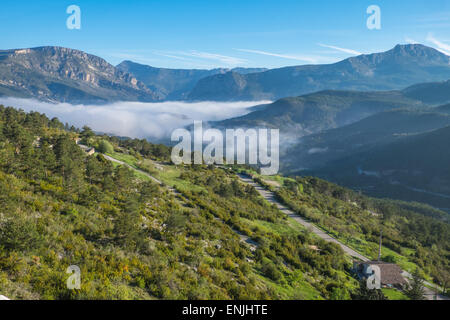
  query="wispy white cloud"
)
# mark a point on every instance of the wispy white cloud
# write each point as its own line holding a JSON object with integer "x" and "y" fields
{"x": 349, "y": 51}
{"x": 411, "y": 41}
{"x": 284, "y": 56}
{"x": 187, "y": 62}
{"x": 191, "y": 58}
{"x": 224, "y": 60}
{"x": 172, "y": 56}
{"x": 441, "y": 46}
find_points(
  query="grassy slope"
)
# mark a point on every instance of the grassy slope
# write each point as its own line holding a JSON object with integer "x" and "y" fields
{"x": 357, "y": 241}
{"x": 298, "y": 287}
{"x": 192, "y": 231}
{"x": 171, "y": 176}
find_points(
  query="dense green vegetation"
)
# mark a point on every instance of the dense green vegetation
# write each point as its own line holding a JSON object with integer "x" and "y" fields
{"x": 415, "y": 289}
{"x": 323, "y": 110}
{"x": 134, "y": 239}
{"x": 318, "y": 151}
{"x": 411, "y": 236}
{"x": 212, "y": 238}
{"x": 414, "y": 167}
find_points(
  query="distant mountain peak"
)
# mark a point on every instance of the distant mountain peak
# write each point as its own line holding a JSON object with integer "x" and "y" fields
{"x": 400, "y": 67}
{"x": 411, "y": 47}
{"x": 418, "y": 50}
{"x": 402, "y": 54}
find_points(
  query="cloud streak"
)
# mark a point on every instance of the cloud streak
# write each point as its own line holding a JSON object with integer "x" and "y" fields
{"x": 225, "y": 60}
{"x": 411, "y": 41}
{"x": 349, "y": 51}
{"x": 442, "y": 47}
{"x": 284, "y": 56}
{"x": 154, "y": 121}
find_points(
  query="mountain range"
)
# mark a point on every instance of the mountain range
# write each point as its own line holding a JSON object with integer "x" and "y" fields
{"x": 174, "y": 84}
{"x": 400, "y": 67}
{"x": 66, "y": 75}
{"x": 350, "y": 122}
{"x": 324, "y": 110}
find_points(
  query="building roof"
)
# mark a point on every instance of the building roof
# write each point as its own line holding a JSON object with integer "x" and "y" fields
{"x": 391, "y": 273}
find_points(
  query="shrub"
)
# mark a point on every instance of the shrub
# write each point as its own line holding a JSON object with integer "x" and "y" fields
{"x": 105, "y": 147}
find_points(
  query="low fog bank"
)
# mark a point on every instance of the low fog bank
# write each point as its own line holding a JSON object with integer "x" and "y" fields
{"x": 135, "y": 119}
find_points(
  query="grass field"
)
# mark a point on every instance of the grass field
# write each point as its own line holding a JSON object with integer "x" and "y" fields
{"x": 394, "y": 294}
{"x": 170, "y": 175}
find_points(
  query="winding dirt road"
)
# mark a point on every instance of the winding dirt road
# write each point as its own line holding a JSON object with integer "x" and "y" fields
{"x": 270, "y": 197}
{"x": 132, "y": 168}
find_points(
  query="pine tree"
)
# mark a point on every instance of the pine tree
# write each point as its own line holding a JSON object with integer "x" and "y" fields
{"x": 415, "y": 289}
{"x": 364, "y": 293}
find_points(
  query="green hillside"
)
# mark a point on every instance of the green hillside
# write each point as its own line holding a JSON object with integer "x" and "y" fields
{"x": 299, "y": 116}
{"x": 414, "y": 235}
{"x": 432, "y": 93}
{"x": 201, "y": 234}
{"x": 315, "y": 151}
{"x": 412, "y": 168}
{"x": 134, "y": 239}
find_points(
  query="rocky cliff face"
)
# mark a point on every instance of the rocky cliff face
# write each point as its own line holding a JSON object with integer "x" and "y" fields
{"x": 66, "y": 75}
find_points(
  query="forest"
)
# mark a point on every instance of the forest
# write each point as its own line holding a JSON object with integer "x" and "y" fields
{"x": 201, "y": 234}
{"x": 134, "y": 239}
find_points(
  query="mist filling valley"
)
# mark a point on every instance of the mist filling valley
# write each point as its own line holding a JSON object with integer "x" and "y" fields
{"x": 152, "y": 121}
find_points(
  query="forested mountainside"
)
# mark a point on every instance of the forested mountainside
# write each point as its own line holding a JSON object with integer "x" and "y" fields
{"x": 317, "y": 150}
{"x": 201, "y": 234}
{"x": 337, "y": 135}
{"x": 329, "y": 109}
{"x": 432, "y": 93}
{"x": 408, "y": 167}
{"x": 313, "y": 113}
{"x": 414, "y": 234}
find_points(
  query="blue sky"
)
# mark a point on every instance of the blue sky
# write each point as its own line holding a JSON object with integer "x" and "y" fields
{"x": 228, "y": 33}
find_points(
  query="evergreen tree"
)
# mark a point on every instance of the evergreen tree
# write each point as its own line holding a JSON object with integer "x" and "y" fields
{"x": 443, "y": 279}
{"x": 415, "y": 289}
{"x": 364, "y": 293}
{"x": 86, "y": 134}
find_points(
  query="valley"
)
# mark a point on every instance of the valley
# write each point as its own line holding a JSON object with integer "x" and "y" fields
{"x": 363, "y": 158}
